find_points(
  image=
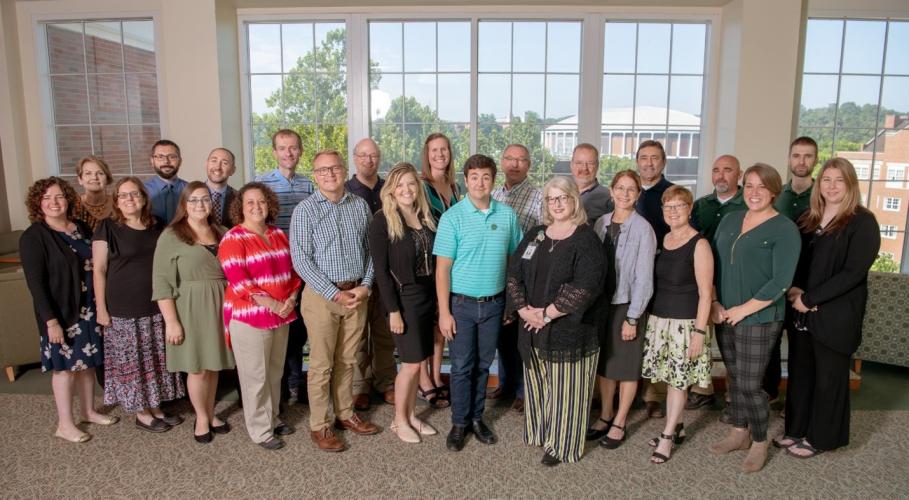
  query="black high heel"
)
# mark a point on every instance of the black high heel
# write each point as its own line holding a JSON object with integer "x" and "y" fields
{"x": 610, "y": 443}
{"x": 598, "y": 433}
{"x": 678, "y": 438}
{"x": 659, "y": 458}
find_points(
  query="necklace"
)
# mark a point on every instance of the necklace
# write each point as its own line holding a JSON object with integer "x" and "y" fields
{"x": 424, "y": 243}
{"x": 554, "y": 241}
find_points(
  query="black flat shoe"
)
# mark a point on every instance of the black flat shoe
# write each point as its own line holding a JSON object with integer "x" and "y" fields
{"x": 284, "y": 430}
{"x": 611, "y": 444}
{"x": 456, "y": 438}
{"x": 598, "y": 433}
{"x": 172, "y": 420}
{"x": 272, "y": 443}
{"x": 204, "y": 438}
{"x": 221, "y": 429}
{"x": 482, "y": 432}
{"x": 156, "y": 425}
{"x": 549, "y": 460}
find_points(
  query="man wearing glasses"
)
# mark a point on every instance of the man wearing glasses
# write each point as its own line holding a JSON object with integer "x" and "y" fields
{"x": 164, "y": 188}
{"x": 526, "y": 200}
{"x": 585, "y": 162}
{"x": 375, "y": 367}
{"x": 328, "y": 244}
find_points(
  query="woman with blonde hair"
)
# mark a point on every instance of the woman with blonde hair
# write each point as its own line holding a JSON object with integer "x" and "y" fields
{"x": 554, "y": 277}
{"x": 401, "y": 237}
{"x": 95, "y": 204}
{"x": 840, "y": 241}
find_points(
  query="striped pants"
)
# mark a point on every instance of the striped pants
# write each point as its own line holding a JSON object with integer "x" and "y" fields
{"x": 557, "y": 405}
{"x": 746, "y": 351}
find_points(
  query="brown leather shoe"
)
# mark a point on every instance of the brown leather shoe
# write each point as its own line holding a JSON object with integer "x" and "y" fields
{"x": 326, "y": 440}
{"x": 654, "y": 409}
{"x": 361, "y": 402}
{"x": 497, "y": 393}
{"x": 518, "y": 405}
{"x": 357, "y": 426}
{"x": 389, "y": 396}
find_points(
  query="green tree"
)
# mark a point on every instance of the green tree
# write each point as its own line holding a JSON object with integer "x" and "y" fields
{"x": 885, "y": 264}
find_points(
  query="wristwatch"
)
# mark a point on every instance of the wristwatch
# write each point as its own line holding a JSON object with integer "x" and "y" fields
{"x": 631, "y": 321}
{"x": 546, "y": 318}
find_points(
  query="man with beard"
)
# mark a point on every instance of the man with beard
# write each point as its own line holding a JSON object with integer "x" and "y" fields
{"x": 218, "y": 168}
{"x": 585, "y": 162}
{"x": 164, "y": 189}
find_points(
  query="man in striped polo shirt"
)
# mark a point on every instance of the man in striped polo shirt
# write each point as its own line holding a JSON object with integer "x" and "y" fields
{"x": 474, "y": 240}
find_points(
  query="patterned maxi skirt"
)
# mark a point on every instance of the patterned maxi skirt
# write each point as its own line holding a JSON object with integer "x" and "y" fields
{"x": 665, "y": 354}
{"x": 135, "y": 371}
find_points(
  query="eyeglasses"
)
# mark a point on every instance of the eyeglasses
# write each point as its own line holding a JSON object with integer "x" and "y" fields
{"x": 519, "y": 160}
{"x": 364, "y": 156}
{"x": 675, "y": 208}
{"x": 131, "y": 194}
{"x": 324, "y": 171}
{"x": 170, "y": 157}
{"x": 205, "y": 200}
{"x": 561, "y": 199}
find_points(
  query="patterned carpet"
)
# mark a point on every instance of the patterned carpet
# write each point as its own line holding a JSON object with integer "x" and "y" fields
{"x": 124, "y": 462}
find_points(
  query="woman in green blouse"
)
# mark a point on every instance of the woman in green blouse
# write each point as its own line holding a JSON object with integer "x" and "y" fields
{"x": 756, "y": 254}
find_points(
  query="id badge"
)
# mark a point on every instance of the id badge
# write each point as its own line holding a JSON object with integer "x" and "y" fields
{"x": 529, "y": 251}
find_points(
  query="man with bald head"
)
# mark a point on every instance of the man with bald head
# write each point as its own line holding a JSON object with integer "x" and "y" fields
{"x": 375, "y": 367}
{"x": 219, "y": 166}
{"x": 706, "y": 215}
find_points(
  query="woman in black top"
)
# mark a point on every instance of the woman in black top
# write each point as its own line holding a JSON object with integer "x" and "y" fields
{"x": 56, "y": 259}
{"x": 554, "y": 278}
{"x": 676, "y": 345}
{"x": 123, "y": 248}
{"x": 401, "y": 236}
{"x": 840, "y": 240}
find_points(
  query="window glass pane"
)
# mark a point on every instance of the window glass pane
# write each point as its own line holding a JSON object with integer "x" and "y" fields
{"x": 142, "y": 98}
{"x": 454, "y": 98}
{"x": 139, "y": 46}
{"x": 112, "y": 143}
{"x": 858, "y": 101}
{"x": 265, "y": 93}
{"x": 494, "y": 96}
{"x": 494, "y": 46}
{"x": 864, "y": 50}
{"x": 618, "y": 98}
{"x": 141, "y": 138}
{"x": 107, "y": 97}
{"x": 562, "y": 96}
{"x": 385, "y": 46}
{"x": 528, "y": 96}
{"x": 653, "y": 48}
{"x": 265, "y": 48}
{"x": 688, "y": 48}
{"x": 70, "y": 99}
{"x": 818, "y": 100}
{"x": 823, "y": 41}
{"x": 65, "y": 49}
{"x": 651, "y": 94}
{"x": 326, "y": 101}
{"x": 297, "y": 42}
{"x": 454, "y": 54}
{"x": 421, "y": 88}
{"x": 620, "y": 43}
{"x": 894, "y": 100}
{"x": 388, "y": 93}
{"x": 897, "y": 55}
{"x": 685, "y": 100}
{"x": 419, "y": 47}
{"x": 72, "y": 144}
{"x": 103, "y": 50}
{"x": 529, "y": 47}
{"x": 563, "y": 52}
{"x": 389, "y": 137}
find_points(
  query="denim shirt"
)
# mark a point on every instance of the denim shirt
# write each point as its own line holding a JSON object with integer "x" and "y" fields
{"x": 635, "y": 251}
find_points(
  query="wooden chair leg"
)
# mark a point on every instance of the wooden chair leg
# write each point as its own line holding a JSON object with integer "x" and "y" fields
{"x": 11, "y": 373}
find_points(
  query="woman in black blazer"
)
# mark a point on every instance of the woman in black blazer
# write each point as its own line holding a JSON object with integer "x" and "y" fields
{"x": 400, "y": 239}
{"x": 840, "y": 241}
{"x": 57, "y": 262}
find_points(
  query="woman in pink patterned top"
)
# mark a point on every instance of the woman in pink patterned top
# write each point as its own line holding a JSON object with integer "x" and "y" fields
{"x": 259, "y": 304}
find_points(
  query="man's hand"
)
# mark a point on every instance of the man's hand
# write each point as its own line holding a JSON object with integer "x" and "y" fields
{"x": 447, "y": 325}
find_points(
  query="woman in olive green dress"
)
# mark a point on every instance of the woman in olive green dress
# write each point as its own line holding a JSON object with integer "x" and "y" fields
{"x": 189, "y": 287}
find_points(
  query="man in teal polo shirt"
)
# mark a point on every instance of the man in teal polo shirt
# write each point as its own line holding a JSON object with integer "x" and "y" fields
{"x": 474, "y": 240}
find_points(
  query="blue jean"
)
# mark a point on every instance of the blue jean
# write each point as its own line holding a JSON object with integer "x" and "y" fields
{"x": 472, "y": 351}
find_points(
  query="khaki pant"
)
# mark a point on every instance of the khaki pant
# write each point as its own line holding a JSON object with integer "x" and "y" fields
{"x": 260, "y": 364}
{"x": 375, "y": 367}
{"x": 334, "y": 334}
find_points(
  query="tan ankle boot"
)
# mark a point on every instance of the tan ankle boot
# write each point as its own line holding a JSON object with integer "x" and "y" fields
{"x": 737, "y": 439}
{"x": 757, "y": 457}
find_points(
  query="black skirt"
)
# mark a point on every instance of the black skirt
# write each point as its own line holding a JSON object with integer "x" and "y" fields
{"x": 418, "y": 309}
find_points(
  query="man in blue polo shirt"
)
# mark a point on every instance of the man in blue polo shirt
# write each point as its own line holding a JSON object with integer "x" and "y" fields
{"x": 474, "y": 240}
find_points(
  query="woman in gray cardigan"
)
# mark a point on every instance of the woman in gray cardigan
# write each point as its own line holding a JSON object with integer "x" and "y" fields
{"x": 622, "y": 343}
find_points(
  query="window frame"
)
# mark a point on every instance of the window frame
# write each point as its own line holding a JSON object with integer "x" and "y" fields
{"x": 897, "y": 203}
{"x": 593, "y": 22}
{"x": 45, "y": 91}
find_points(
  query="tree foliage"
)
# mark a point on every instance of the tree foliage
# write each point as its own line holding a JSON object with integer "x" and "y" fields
{"x": 885, "y": 264}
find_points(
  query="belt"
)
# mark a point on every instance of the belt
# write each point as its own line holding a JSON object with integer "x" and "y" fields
{"x": 347, "y": 285}
{"x": 489, "y": 298}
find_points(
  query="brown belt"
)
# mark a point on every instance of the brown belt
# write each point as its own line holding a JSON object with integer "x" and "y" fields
{"x": 347, "y": 285}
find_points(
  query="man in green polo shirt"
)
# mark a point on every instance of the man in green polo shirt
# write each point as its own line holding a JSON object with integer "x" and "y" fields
{"x": 474, "y": 240}
{"x": 796, "y": 193}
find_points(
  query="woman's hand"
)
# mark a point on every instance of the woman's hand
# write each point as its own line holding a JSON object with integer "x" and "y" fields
{"x": 173, "y": 333}
{"x": 696, "y": 347}
{"x": 54, "y": 332}
{"x": 533, "y": 318}
{"x": 793, "y": 293}
{"x": 103, "y": 317}
{"x": 629, "y": 332}
{"x": 287, "y": 307}
{"x": 718, "y": 313}
{"x": 735, "y": 314}
{"x": 396, "y": 323}
{"x": 800, "y": 306}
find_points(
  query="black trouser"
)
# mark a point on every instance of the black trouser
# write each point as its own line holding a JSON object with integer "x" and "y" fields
{"x": 511, "y": 368}
{"x": 774, "y": 374}
{"x": 293, "y": 363}
{"x": 817, "y": 395}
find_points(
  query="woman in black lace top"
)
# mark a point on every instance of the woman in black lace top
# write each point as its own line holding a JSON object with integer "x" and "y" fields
{"x": 554, "y": 277}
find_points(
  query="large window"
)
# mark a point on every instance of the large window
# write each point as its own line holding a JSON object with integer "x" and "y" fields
{"x": 855, "y": 103}
{"x": 653, "y": 83}
{"x": 298, "y": 80}
{"x": 102, "y": 88}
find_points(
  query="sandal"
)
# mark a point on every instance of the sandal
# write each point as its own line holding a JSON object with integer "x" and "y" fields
{"x": 785, "y": 441}
{"x": 610, "y": 443}
{"x": 804, "y": 445}
{"x": 659, "y": 458}
{"x": 677, "y": 438}
{"x": 433, "y": 397}
{"x": 598, "y": 433}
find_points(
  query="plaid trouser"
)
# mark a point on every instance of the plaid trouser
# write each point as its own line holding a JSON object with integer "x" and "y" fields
{"x": 746, "y": 351}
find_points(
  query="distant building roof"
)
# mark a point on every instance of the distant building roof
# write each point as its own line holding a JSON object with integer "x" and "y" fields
{"x": 642, "y": 116}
